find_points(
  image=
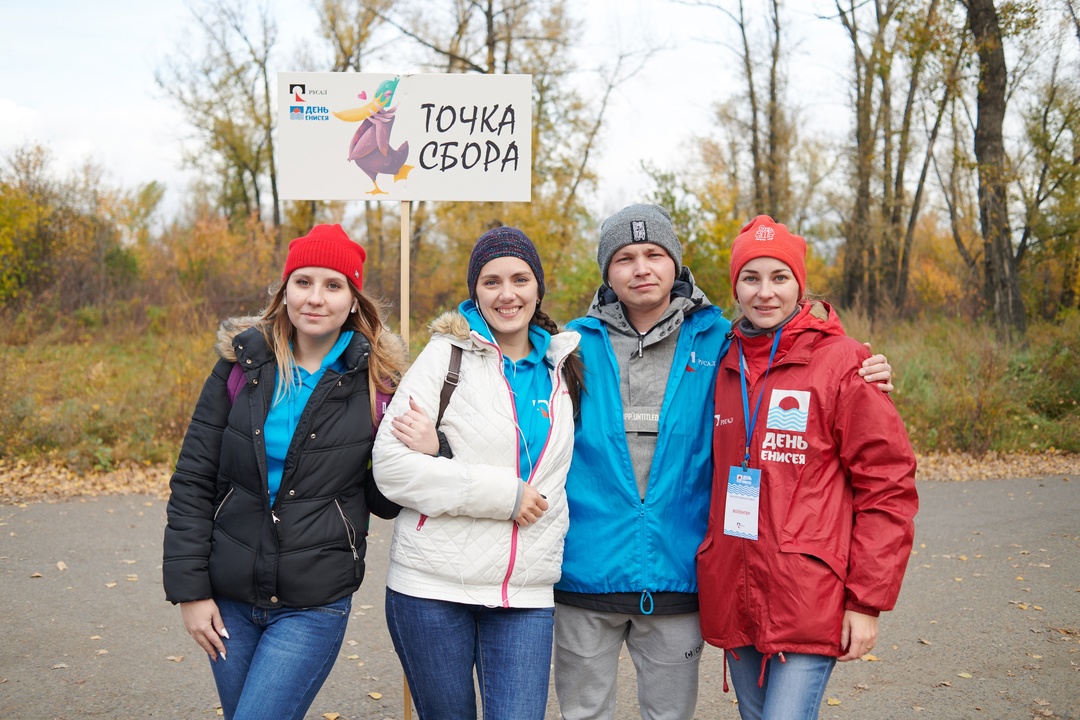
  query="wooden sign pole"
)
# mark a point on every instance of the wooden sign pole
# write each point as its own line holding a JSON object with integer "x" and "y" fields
{"x": 406, "y": 245}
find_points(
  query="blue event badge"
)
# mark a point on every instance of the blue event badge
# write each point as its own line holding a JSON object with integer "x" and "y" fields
{"x": 743, "y": 498}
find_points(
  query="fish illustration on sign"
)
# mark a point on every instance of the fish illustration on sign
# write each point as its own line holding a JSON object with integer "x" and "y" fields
{"x": 370, "y": 146}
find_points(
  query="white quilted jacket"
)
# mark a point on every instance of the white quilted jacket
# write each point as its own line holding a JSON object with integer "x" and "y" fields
{"x": 454, "y": 539}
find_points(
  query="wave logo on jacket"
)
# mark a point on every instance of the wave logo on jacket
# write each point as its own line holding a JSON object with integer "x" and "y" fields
{"x": 788, "y": 410}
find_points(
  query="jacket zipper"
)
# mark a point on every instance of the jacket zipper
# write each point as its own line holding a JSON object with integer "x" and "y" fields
{"x": 517, "y": 463}
{"x": 350, "y": 534}
{"x": 512, "y": 560}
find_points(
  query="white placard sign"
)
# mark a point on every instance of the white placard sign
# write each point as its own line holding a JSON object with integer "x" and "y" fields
{"x": 360, "y": 136}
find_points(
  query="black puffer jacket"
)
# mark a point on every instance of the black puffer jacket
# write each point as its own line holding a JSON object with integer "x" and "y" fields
{"x": 224, "y": 539}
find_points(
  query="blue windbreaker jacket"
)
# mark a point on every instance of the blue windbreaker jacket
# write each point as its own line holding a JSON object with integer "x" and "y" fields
{"x": 617, "y": 542}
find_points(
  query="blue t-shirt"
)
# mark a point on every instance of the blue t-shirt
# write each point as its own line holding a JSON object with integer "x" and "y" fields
{"x": 284, "y": 416}
{"x": 530, "y": 383}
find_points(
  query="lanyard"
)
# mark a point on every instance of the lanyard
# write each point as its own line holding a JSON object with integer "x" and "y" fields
{"x": 749, "y": 421}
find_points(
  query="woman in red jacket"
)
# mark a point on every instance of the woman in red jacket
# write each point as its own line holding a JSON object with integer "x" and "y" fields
{"x": 813, "y": 496}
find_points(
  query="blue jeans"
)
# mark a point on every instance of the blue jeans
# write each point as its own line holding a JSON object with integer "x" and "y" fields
{"x": 277, "y": 659}
{"x": 439, "y": 643}
{"x": 790, "y": 690}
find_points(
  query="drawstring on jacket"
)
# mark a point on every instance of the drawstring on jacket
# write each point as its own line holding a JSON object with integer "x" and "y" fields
{"x": 764, "y": 660}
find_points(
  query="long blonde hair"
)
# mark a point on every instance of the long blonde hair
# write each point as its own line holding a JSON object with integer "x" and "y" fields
{"x": 386, "y": 363}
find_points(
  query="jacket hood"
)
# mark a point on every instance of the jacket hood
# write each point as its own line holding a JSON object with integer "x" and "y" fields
{"x": 685, "y": 296}
{"x": 813, "y": 316}
{"x": 455, "y": 327}
{"x": 452, "y": 324}
{"x": 230, "y": 328}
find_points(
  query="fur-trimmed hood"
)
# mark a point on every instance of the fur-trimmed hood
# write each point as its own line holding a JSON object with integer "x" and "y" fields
{"x": 391, "y": 344}
{"x": 452, "y": 324}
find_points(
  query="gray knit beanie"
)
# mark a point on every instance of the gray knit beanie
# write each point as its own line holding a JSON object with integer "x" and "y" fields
{"x": 637, "y": 224}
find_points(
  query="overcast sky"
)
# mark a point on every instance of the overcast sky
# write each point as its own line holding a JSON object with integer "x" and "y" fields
{"x": 78, "y": 77}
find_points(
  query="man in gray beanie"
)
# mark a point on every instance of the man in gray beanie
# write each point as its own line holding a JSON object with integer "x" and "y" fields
{"x": 637, "y": 224}
{"x": 640, "y": 481}
{"x": 650, "y": 345}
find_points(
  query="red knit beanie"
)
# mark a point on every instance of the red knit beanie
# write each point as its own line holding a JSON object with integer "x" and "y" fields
{"x": 327, "y": 246}
{"x": 764, "y": 237}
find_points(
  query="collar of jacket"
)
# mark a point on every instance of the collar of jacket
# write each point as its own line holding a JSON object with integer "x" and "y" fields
{"x": 605, "y": 303}
{"x": 251, "y": 350}
{"x": 455, "y": 327}
{"x": 816, "y": 319}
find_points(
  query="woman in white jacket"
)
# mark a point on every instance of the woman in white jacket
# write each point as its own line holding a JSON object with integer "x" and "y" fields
{"x": 478, "y": 544}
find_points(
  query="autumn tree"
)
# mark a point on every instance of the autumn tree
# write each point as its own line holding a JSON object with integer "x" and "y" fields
{"x": 757, "y": 123}
{"x": 224, "y": 87}
{"x": 1047, "y": 181}
{"x": 1002, "y": 282}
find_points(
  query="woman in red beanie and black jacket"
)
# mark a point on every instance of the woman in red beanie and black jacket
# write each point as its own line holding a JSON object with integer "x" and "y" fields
{"x": 813, "y": 499}
{"x": 270, "y": 499}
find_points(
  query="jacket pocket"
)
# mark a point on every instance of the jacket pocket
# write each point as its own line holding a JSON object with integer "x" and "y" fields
{"x": 350, "y": 537}
{"x": 224, "y": 500}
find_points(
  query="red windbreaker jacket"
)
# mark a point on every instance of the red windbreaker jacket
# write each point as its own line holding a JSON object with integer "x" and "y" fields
{"x": 837, "y": 500}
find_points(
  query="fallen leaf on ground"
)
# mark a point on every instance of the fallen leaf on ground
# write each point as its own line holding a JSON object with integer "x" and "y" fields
{"x": 964, "y": 675}
{"x": 352, "y": 657}
{"x": 133, "y": 578}
{"x": 95, "y": 637}
{"x": 102, "y": 652}
{"x": 331, "y": 716}
{"x": 925, "y": 642}
{"x": 110, "y": 585}
{"x": 58, "y": 666}
{"x": 61, "y": 565}
{"x": 175, "y": 658}
{"x": 36, "y": 575}
{"x": 944, "y": 683}
{"x": 833, "y": 702}
{"x": 375, "y": 695}
{"x": 1042, "y": 703}
{"x": 869, "y": 658}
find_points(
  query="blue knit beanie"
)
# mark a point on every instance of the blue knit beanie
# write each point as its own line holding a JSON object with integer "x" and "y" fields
{"x": 503, "y": 242}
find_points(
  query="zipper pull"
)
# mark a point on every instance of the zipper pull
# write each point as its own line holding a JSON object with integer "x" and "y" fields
{"x": 277, "y": 526}
{"x": 356, "y": 562}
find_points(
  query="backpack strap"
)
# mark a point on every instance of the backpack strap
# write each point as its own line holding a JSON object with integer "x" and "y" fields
{"x": 450, "y": 382}
{"x": 236, "y": 381}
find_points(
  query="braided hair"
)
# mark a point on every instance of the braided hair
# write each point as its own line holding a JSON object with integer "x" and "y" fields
{"x": 573, "y": 368}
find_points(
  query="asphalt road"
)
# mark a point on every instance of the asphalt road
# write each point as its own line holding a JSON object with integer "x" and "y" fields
{"x": 987, "y": 625}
